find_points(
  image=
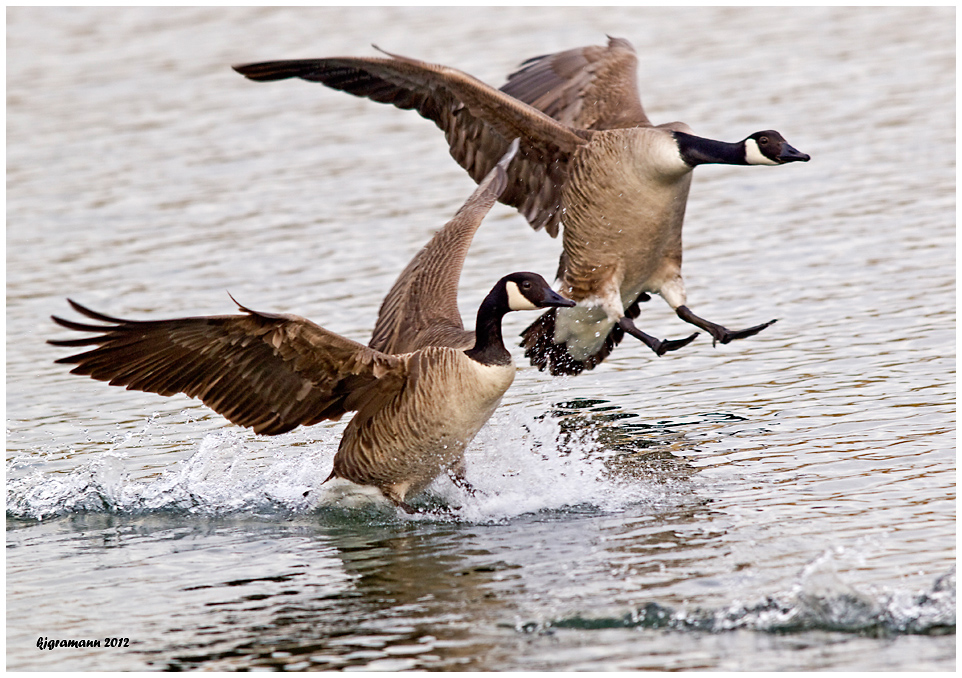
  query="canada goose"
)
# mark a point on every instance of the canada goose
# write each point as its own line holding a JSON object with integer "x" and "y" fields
{"x": 416, "y": 411}
{"x": 589, "y": 159}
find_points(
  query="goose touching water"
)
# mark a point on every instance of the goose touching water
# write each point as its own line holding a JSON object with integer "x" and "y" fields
{"x": 416, "y": 410}
{"x": 590, "y": 161}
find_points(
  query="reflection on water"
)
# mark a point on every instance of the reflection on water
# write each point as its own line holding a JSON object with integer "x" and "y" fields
{"x": 351, "y": 590}
{"x": 786, "y": 502}
{"x": 325, "y": 584}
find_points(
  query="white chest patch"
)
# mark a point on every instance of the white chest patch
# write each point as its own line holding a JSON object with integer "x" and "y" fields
{"x": 664, "y": 156}
{"x": 754, "y": 155}
{"x": 493, "y": 378}
{"x": 583, "y": 328}
{"x": 516, "y": 300}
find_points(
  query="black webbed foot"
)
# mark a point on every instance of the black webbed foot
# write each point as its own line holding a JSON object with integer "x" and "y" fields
{"x": 729, "y": 335}
{"x": 439, "y": 511}
{"x": 719, "y": 334}
{"x": 674, "y": 344}
{"x": 462, "y": 482}
{"x": 406, "y": 507}
{"x": 659, "y": 346}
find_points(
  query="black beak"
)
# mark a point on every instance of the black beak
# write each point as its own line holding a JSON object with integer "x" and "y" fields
{"x": 791, "y": 154}
{"x": 552, "y": 298}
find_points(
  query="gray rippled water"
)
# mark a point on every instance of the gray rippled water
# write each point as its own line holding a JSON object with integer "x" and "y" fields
{"x": 786, "y": 502}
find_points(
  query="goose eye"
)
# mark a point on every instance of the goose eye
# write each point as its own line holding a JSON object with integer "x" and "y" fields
{"x": 762, "y": 141}
{"x": 526, "y": 284}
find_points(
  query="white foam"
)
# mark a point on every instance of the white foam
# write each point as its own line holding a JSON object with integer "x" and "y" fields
{"x": 821, "y": 599}
{"x": 521, "y": 462}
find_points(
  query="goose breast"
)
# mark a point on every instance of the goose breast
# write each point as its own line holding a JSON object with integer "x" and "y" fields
{"x": 425, "y": 429}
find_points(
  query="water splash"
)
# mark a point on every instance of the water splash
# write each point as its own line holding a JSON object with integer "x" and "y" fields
{"x": 522, "y": 462}
{"x": 818, "y": 601}
{"x": 220, "y": 477}
{"x": 529, "y": 462}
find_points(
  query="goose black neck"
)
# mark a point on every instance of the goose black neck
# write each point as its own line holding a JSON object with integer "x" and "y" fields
{"x": 700, "y": 151}
{"x": 489, "y": 346}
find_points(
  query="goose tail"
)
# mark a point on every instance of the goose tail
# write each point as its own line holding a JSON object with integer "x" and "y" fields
{"x": 541, "y": 349}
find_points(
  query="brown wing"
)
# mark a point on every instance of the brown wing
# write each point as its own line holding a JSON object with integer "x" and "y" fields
{"x": 478, "y": 121}
{"x": 265, "y": 371}
{"x": 591, "y": 88}
{"x": 422, "y": 307}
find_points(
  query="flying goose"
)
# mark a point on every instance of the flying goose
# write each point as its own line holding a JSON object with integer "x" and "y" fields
{"x": 415, "y": 411}
{"x": 590, "y": 159}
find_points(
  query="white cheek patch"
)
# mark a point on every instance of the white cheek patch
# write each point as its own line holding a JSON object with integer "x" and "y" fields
{"x": 754, "y": 155}
{"x": 516, "y": 300}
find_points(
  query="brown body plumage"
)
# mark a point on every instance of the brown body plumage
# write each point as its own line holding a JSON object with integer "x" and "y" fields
{"x": 415, "y": 411}
{"x": 590, "y": 160}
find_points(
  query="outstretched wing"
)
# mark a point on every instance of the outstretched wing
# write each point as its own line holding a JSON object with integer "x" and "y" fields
{"x": 478, "y": 121}
{"x": 269, "y": 372}
{"x": 590, "y": 88}
{"x": 422, "y": 307}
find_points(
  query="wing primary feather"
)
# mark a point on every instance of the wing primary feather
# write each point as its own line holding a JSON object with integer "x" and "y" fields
{"x": 270, "y": 372}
